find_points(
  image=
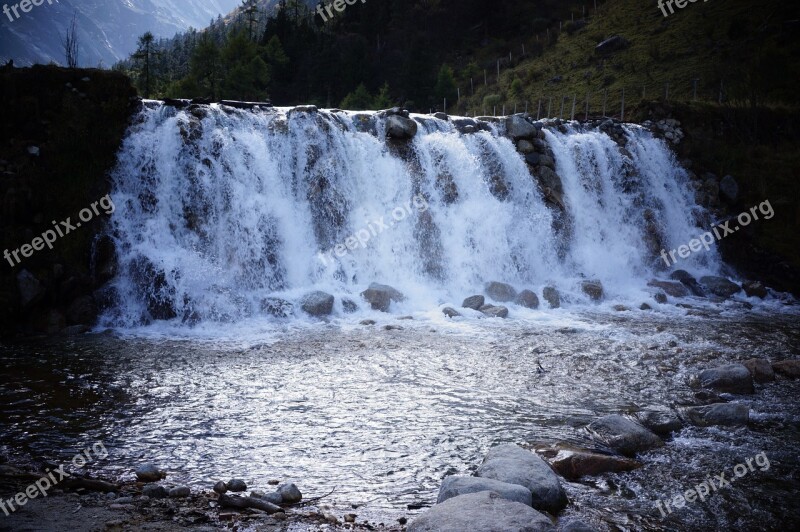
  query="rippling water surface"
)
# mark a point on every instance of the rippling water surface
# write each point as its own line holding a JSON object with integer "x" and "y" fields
{"x": 383, "y": 416}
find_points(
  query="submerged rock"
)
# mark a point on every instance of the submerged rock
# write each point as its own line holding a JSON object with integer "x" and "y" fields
{"x": 660, "y": 419}
{"x": 494, "y": 311}
{"x": 787, "y": 368}
{"x": 552, "y": 296}
{"x": 474, "y": 302}
{"x": 450, "y": 312}
{"x": 454, "y": 486}
{"x": 527, "y": 299}
{"x": 573, "y": 464}
{"x": 733, "y": 378}
{"x": 485, "y": 511}
{"x": 380, "y": 296}
{"x": 671, "y": 288}
{"x": 149, "y": 473}
{"x": 624, "y": 435}
{"x": 317, "y": 303}
{"x": 760, "y": 369}
{"x": 724, "y": 414}
{"x": 514, "y": 465}
{"x": 500, "y": 292}
{"x": 279, "y": 308}
{"x": 755, "y": 289}
{"x": 349, "y": 306}
{"x": 593, "y": 289}
{"x": 719, "y": 286}
{"x": 660, "y": 297}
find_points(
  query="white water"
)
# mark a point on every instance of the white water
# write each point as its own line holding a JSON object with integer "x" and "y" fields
{"x": 244, "y": 209}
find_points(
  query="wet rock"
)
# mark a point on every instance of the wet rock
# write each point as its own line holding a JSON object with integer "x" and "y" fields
{"x": 367, "y": 322}
{"x": 317, "y": 303}
{"x": 593, "y": 289}
{"x": 686, "y": 279}
{"x": 574, "y": 525}
{"x": 392, "y": 327}
{"x": 500, "y": 292}
{"x": 236, "y": 485}
{"x": 573, "y": 464}
{"x": 31, "y": 290}
{"x": 514, "y": 465}
{"x": 719, "y": 286}
{"x": 760, "y": 369}
{"x": 527, "y": 299}
{"x": 400, "y": 127}
{"x": 787, "y": 368}
{"x": 149, "y": 473}
{"x": 681, "y": 276}
{"x": 454, "y": 486}
{"x": 724, "y": 414}
{"x": 621, "y": 308}
{"x": 450, "y": 312}
{"x": 220, "y": 487}
{"x": 273, "y": 497}
{"x": 671, "y": 288}
{"x": 519, "y": 128}
{"x": 155, "y": 491}
{"x": 729, "y": 189}
{"x": 289, "y": 493}
{"x": 532, "y": 158}
{"x": 525, "y": 147}
{"x": 660, "y": 419}
{"x": 732, "y": 378}
{"x": 234, "y": 501}
{"x": 180, "y": 492}
{"x": 349, "y": 306}
{"x": 755, "y": 289}
{"x": 494, "y": 311}
{"x": 552, "y": 296}
{"x": 645, "y": 306}
{"x": 624, "y": 435}
{"x": 380, "y": 296}
{"x": 474, "y": 302}
{"x": 660, "y": 297}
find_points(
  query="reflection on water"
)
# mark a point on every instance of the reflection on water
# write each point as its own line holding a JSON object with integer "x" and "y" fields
{"x": 382, "y": 416}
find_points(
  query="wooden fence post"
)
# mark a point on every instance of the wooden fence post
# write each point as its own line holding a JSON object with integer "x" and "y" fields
{"x": 622, "y": 112}
{"x": 574, "y": 98}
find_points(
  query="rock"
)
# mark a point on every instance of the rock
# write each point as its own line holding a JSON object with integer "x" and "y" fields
{"x": 30, "y": 289}
{"x": 317, "y": 303}
{"x": 755, "y": 289}
{"x": 514, "y": 465}
{"x": 549, "y": 179}
{"x": 380, "y": 296}
{"x": 289, "y": 493}
{"x": 527, "y": 299}
{"x": 519, "y": 128}
{"x": 573, "y": 464}
{"x": 220, "y": 487}
{"x": 787, "y": 368}
{"x": 645, "y": 306}
{"x": 349, "y": 306}
{"x": 236, "y": 485}
{"x": 392, "y": 327}
{"x": 400, "y": 127}
{"x": 593, "y": 289}
{"x": 149, "y": 473}
{"x": 573, "y": 525}
{"x": 155, "y": 491}
{"x": 485, "y": 511}
{"x": 367, "y": 322}
{"x": 552, "y": 296}
{"x": 532, "y": 158}
{"x": 760, "y": 370}
{"x": 660, "y": 419}
{"x": 274, "y": 497}
{"x": 234, "y": 501}
{"x": 525, "y": 147}
{"x": 474, "y": 302}
{"x": 728, "y": 189}
{"x": 350, "y": 518}
{"x": 440, "y": 116}
{"x": 681, "y": 275}
{"x": 277, "y": 307}
{"x": 454, "y": 486}
{"x": 720, "y": 286}
{"x": 724, "y": 414}
{"x": 611, "y": 45}
{"x": 450, "y": 312}
{"x": 500, "y": 292}
{"x": 660, "y": 297}
{"x": 548, "y": 162}
{"x": 180, "y": 492}
{"x": 733, "y": 378}
{"x": 624, "y": 435}
{"x": 621, "y": 308}
{"x": 686, "y": 279}
{"x": 494, "y": 311}
{"x": 671, "y": 288}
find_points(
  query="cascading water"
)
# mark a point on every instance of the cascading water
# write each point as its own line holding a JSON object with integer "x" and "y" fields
{"x": 224, "y": 214}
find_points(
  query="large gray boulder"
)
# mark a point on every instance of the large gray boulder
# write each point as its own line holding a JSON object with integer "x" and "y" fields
{"x": 317, "y": 303}
{"x": 514, "y": 465}
{"x": 454, "y": 486}
{"x": 719, "y": 286}
{"x": 485, "y": 511}
{"x": 593, "y": 289}
{"x": 733, "y": 378}
{"x": 787, "y": 368}
{"x": 517, "y": 127}
{"x": 380, "y": 296}
{"x": 552, "y": 296}
{"x": 660, "y": 419}
{"x": 527, "y": 299}
{"x": 500, "y": 292}
{"x": 494, "y": 311}
{"x": 624, "y": 435}
{"x": 400, "y": 128}
{"x": 760, "y": 369}
{"x": 474, "y": 302}
{"x": 724, "y": 414}
{"x": 672, "y": 288}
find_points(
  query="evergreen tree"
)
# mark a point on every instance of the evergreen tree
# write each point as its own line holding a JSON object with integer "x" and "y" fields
{"x": 445, "y": 85}
{"x": 358, "y": 100}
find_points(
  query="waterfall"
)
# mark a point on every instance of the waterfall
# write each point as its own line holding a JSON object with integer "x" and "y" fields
{"x": 225, "y": 214}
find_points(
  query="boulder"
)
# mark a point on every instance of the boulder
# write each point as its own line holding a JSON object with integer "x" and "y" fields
{"x": 514, "y": 465}
{"x": 317, "y": 303}
{"x": 787, "y": 368}
{"x": 645, "y": 306}
{"x": 593, "y": 289}
{"x": 760, "y": 369}
{"x": 611, "y": 45}
{"x": 671, "y": 288}
{"x": 500, "y": 292}
{"x": 527, "y": 299}
{"x": 729, "y": 189}
{"x": 454, "y": 486}
{"x": 450, "y": 312}
{"x": 149, "y": 473}
{"x": 660, "y": 297}
{"x": 494, "y": 311}
{"x": 236, "y": 485}
{"x": 660, "y": 419}
{"x": 400, "y": 128}
{"x": 220, "y": 487}
{"x": 681, "y": 275}
{"x": 517, "y": 127}
{"x": 732, "y": 378}
{"x": 525, "y": 147}
{"x": 484, "y": 511}
{"x": 532, "y": 158}
{"x": 155, "y": 491}
{"x": 289, "y": 493}
{"x": 180, "y": 492}
{"x": 380, "y": 296}
{"x": 724, "y": 414}
{"x": 348, "y": 305}
{"x": 552, "y": 296}
{"x": 754, "y": 289}
{"x": 474, "y": 302}
{"x": 274, "y": 497}
{"x": 573, "y": 464}
{"x": 719, "y": 286}
{"x": 624, "y": 435}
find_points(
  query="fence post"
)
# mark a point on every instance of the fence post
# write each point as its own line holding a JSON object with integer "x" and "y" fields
{"x": 561, "y": 114}
{"x": 494, "y": 111}
{"x": 539, "y": 110}
{"x": 549, "y": 107}
{"x": 498, "y": 71}
{"x": 605, "y": 98}
{"x": 622, "y": 113}
{"x": 445, "y": 106}
{"x": 485, "y": 78}
{"x": 587, "y": 106}
{"x": 574, "y": 98}
{"x": 504, "y": 110}
{"x": 472, "y": 86}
